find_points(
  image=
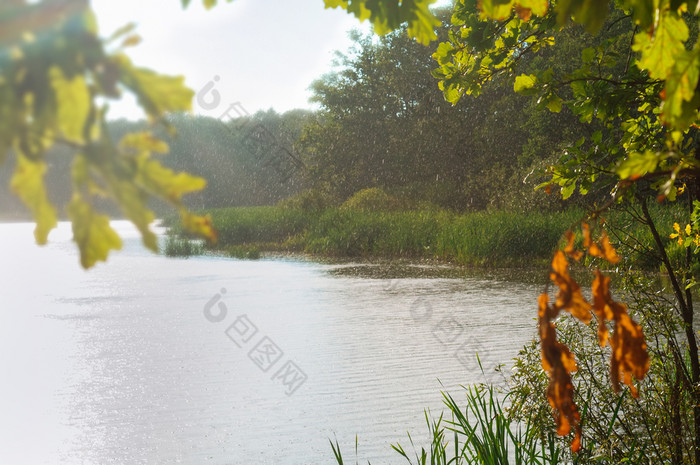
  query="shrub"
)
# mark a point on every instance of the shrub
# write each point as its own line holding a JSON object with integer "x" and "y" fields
{"x": 310, "y": 200}
{"x": 372, "y": 199}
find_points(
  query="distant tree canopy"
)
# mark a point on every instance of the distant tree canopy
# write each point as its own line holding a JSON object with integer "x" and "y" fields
{"x": 385, "y": 123}
{"x": 638, "y": 85}
{"x": 241, "y": 168}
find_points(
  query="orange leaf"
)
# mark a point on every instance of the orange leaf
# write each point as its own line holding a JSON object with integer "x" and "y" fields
{"x": 569, "y": 297}
{"x": 576, "y": 443}
{"x": 629, "y": 349}
{"x": 558, "y": 361}
{"x": 629, "y": 355}
{"x": 602, "y": 249}
{"x": 569, "y": 249}
{"x": 586, "y": 235}
{"x": 523, "y": 13}
{"x": 600, "y": 307}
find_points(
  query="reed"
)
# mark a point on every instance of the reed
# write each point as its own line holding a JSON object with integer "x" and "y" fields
{"x": 494, "y": 238}
{"x": 182, "y": 247}
{"x": 491, "y": 238}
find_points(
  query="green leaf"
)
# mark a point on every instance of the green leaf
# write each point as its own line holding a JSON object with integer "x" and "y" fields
{"x": 336, "y": 3}
{"x": 156, "y": 93}
{"x": 497, "y": 9}
{"x": 643, "y": 11}
{"x": 590, "y": 13}
{"x": 27, "y": 183}
{"x": 132, "y": 201}
{"x": 554, "y": 105}
{"x": 388, "y": 16}
{"x": 124, "y": 30}
{"x": 199, "y": 225}
{"x": 538, "y": 7}
{"x": 672, "y": 194}
{"x": 143, "y": 142}
{"x": 680, "y": 90}
{"x": 568, "y": 189}
{"x": 660, "y": 46}
{"x": 588, "y": 55}
{"x": 91, "y": 232}
{"x": 639, "y": 164}
{"x": 73, "y": 103}
{"x": 524, "y": 82}
{"x": 164, "y": 182}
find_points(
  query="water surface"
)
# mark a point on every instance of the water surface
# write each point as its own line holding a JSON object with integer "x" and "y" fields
{"x": 121, "y": 364}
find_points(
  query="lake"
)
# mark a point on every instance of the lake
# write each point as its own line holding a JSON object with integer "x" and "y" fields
{"x": 211, "y": 360}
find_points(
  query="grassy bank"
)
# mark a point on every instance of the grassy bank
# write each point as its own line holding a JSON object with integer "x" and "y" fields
{"x": 502, "y": 238}
{"x": 496, "y": 238}
{"x": 493, "y": 238}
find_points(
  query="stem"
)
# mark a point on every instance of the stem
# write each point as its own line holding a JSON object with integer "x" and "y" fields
{"x": 677, "y": 290}
{"x": 687, "y": 316}
{"x": 689, "y": 332}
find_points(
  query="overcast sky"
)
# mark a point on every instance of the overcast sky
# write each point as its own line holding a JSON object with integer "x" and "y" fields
{"x": 265, "y": 53}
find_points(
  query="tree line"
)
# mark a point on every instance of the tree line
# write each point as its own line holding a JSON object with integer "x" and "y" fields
{"x": 382, "y": 122}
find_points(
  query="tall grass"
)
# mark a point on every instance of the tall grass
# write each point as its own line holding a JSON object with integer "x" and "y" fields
{"x": 247, "y": 225}
{"x": 482, "y": 432}
{"x": 503, "y": 237}
{"x": 182, "y": 247}
{"x": 495, "y": 238}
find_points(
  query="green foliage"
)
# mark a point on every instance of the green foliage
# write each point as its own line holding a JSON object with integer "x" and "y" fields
{"x": 483, "y": 237}
{"x": 385, "y": 124}
{"x": 387, "y": 16}
{"x": 496, "y": 36}
{"x": 649, "y": 102}
{"x": 618, "y": 428}
{"x": 54, "y": 69}
{"x": 348, "y": 232}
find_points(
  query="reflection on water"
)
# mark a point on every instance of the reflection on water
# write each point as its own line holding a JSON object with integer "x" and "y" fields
{"x": 211, "y": 360}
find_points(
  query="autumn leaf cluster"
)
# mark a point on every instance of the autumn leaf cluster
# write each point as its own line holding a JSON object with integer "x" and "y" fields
{"x": 629, "y": 357}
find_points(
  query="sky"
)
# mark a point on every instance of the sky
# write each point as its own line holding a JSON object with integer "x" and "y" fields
{"x": 259, "y": 53}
